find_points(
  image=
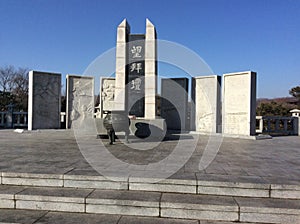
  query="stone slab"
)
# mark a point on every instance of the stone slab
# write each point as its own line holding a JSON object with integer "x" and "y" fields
{"x": 32, "y": 182}
{"x": 80, "y": 99}
{"x": 175, "y": 188}
{"x": 199, "y": 202}
{"x": 123, "y": 203}
{"x": 290, "y": 189}
{"x": 122, "y": 210}
{"x": 207, "y": 99}
{"x": 33, "y": 175}
{"x": 199, "y": 214}
{"x": 96, "y": 184}
{"x": 54, "y": 194}
{"x": 291, "y": 194}
{"x": 127, "y": 198}
{"x": 232, "y": 191}
{"x": 269, "y": 210}
{"x": 84, "y": 179}
{"x": 77, "y": 218}
{"x": 13, "y": 216}
{"x": 177, "y": 184}
{"x": 269, "y": 218}
{"x": 174, "y": 103}
{"x": 107, "y": 94}
{"x": 239, "y": 103}
{"x": 245, "y": 186}
{"x": 52, "y": 199}
{"x": 44, "y": 99}
{"x": 221, "y": 222}
{"x": 8, "y": 192}
{"x": 7, "y": 195}
{"x": 50, "y": 206}
{"x": 32, "y": 179}
{"x": 153, "y": 220}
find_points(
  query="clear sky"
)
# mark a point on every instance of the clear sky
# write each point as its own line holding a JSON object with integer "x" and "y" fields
{"x": 230, "y": 35}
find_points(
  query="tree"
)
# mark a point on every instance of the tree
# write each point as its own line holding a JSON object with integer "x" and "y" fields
{"x": 295, "y": 92}
{"x": 273, "y": 108}
{"x": 14, "y": 87}
{"x": 6, "y": 75}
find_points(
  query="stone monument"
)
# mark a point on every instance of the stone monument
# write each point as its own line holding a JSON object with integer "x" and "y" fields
{"x": 136, "y": 71}
{"x": 174, "y": 103}
{"x": 207, "y": 101}
{"x": 44, "y": 100}
{"x": 107, "y": 94}
{"x": 80, "y": 98}
{"x": 135, "y": 85}
{"x": 239, "y": 103}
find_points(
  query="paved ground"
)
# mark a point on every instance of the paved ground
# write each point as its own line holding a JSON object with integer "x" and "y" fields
{"x": 56, "y": 151}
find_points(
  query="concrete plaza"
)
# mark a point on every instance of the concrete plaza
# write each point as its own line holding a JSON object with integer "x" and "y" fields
{"x": 45, "y": 173}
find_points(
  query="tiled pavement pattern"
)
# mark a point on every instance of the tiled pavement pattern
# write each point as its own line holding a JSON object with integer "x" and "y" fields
{"x": 252, "y": 181}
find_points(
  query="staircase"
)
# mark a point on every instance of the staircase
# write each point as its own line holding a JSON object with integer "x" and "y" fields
{"x": 200, "y": 198}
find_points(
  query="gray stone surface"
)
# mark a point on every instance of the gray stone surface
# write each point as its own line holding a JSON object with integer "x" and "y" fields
{"x": 54, "y": 194}
{"x": 269, "y": 210}
{"x": 198, "y": 202}
{"x": 179, "y": 183}
{"x": 130, "y": 198}
{"x": 75, "y": 218}
{"x": 8, "y": 192}
{"x": 52, "y": 199}
{"x": 88, "y": 179}
{"x": 207, "y": 99}
{"x": 120, "y": 93}
{"x": 44, "y": 100}
{"x": 30, "y": 179}
{"x": 20, "y": 216}
{"x": 246, "y": 186}
{"x": 189, "y": 206}
{"x": 123, "y": 203}
{"x": 153, "y": 220}
{"x": 150, "y": 71}
{"x": 239, "y": 103}
{"x": 80, "y": 99}
{"x": 107, "y": 94}
{"x": 7, "y": 196}
{"x": 56, "y": 152}
{"x": 174, "y": 103}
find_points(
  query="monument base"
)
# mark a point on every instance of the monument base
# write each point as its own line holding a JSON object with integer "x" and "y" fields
{"x": 141, "y": 128}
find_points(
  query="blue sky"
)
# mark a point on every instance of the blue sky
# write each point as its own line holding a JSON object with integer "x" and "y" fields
{"x": 230, "y": 35}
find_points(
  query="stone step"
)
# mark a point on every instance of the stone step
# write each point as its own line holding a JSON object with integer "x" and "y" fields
{"x": 223, "y": 185}
{"x": 151, "y": 204}
{"x": 18, "y": 216}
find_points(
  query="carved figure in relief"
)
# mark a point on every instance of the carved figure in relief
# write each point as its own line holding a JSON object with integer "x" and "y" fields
{"x": 108, "y": 91}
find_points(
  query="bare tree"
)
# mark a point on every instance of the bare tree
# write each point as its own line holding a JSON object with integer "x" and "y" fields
{"x": 7, "y": 74}
{"x": 14, "y": 87}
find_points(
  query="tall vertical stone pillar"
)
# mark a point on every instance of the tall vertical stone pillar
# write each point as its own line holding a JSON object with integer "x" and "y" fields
{"x": 239, "y": 103}
{"x": 150, "y": 71}
{"x": 121, "y": 64}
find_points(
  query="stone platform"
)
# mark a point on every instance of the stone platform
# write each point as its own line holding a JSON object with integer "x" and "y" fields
{"x": 248, "y": 181}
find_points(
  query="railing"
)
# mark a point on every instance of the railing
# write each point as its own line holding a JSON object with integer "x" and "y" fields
{"x": 277, "y": 125}
{"x": 13, "y": 119}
